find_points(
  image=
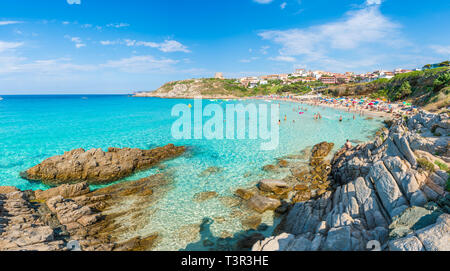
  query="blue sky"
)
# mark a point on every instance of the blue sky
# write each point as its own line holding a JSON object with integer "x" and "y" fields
{"x": 114, "y": 46}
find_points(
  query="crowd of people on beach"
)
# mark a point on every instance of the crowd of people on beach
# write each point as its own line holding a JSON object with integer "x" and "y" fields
{"x": 360, "y": 106}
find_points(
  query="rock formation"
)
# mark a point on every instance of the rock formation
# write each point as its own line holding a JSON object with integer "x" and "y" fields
{"x": 48, "y": 220}
{"x": 386, "y": 192}
{"x": 97, "y": 166}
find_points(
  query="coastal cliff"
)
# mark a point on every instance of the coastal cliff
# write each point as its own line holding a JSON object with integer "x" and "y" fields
{"x": 392, "y": 191}
{"x": 207, "y": 88}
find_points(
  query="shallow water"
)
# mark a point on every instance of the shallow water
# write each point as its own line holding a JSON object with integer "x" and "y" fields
{"x": 33, "y": 128}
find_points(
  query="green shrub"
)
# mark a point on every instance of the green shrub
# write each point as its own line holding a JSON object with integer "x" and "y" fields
{"x": 442, "y": 166}
{"x": 425, "y": 164}
{"x": 442, "y": 81}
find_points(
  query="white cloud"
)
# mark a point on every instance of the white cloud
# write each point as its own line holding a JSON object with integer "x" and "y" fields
{"x": 168, "y": 46}
{"x": 373, "y": 2}
{"x": 4, "y": 45}
{"x": 358, "y": 31}
{"x": 248, "y": 60}
{"x": 76, "y": 2}
{"x": 443, "y": 50}
{"x": 283, "y": 58}
{"x": 129, "y": 42}
{"x": 118, "y": 25}
{"x": 9, "y": 22}
{"x": 264, "y": 49}
{"x": 107, "y": 42}
{"x": 136, "y": 64}
{"x": 12, "y": 63}
{"x": 141, "y": 64}
{"x": 283, "y": 5}
{"x": 263, "y": 1}
{"x": 77, "y": 40}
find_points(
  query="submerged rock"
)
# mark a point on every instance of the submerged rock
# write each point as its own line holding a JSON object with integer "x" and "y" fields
{"x": 251, "y": 222}
{"x": 210, "y": 171}
{"x": 270, "y": 168}
{"x": 282, "y": 163}
{"x": 243, "y": 194}
{"x": 96, "y": 166}
{"x": 204, "y": 196}
{"x": 275, "y": 186}
{"x": 65, "y": 190}
{"x": 262, "y": 204}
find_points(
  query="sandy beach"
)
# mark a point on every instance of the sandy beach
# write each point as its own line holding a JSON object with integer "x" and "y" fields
{"x": 357, "y": 110}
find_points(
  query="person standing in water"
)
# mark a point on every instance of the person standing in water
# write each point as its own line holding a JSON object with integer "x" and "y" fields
{"x": 348, "y": 145}
{"x": 340, "y": 118}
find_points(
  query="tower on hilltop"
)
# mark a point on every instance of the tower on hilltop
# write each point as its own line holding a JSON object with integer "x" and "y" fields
{"x": 218, "y": 75}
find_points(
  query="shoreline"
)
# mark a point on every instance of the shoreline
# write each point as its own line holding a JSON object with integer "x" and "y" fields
{"x": 384, "y": 115}
{"x": 364, "y": 111}
{"x": 368, "y": 156}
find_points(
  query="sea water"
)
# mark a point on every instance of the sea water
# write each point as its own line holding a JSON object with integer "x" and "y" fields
{"x": 33, "y": 128}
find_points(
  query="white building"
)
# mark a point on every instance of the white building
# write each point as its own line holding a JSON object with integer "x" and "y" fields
{"x": 300, "y": 73}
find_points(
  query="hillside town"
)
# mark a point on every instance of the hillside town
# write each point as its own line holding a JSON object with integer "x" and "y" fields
{"x": 325, "y": 77}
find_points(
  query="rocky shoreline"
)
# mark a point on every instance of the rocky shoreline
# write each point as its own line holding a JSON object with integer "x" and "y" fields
{"x": 49, "y": 220}
{"x": 391, "y": 191}
{"x": 388, "y": 192}
{"x": 98, "y": 220}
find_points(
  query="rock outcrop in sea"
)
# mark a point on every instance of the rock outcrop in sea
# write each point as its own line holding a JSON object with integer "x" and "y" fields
{"x": 96, "y": 166}
{"x": 389, "y": 192}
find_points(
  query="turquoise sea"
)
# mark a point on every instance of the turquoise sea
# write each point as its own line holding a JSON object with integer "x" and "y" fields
{"x": 33, "y": 128}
